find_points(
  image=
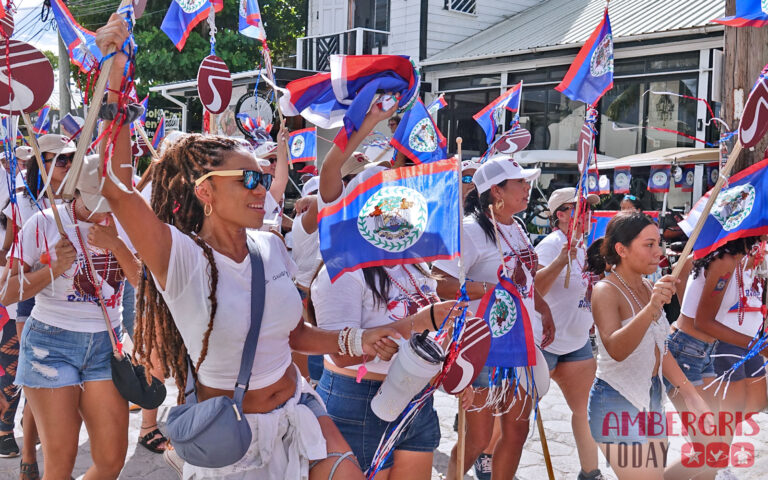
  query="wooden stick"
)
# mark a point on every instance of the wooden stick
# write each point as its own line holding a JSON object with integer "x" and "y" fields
{"x": 43, "y": 173}
{"x": 460, "y": 446}
{"x": 544, "y": 447}
{"x": 143, "y": 134}
{"x": 68, "y": 190}
{"x": 724, "y": 172}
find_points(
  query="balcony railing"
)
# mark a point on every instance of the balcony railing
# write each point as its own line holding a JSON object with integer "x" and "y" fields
{"x": 314, "y": 53}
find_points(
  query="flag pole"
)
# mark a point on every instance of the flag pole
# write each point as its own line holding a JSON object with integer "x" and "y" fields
{"x": 462, "y": 427}
{"x": 724, "y": 172}
{"x": 544, "y": 446}
{"x": 143, "y": 134}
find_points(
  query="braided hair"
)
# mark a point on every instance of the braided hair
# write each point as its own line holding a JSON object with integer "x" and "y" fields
{"x": 174, "y": 202}
{"x": 739, "y": 246}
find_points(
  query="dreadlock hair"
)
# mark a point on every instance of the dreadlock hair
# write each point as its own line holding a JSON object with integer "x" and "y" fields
{"x": 174, "y": 202}
{"x": 477, "y": 205}
{"x": 739, "y": 246}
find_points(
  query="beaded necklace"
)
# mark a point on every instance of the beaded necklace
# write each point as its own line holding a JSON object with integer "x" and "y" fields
{"x": 528, "y": 256}
{"x": 742, "y": 294}
{"x": 88, "y": 273}
{"x": 423, "y": 301}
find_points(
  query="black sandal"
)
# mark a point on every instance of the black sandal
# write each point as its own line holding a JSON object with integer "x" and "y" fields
{"x": 29, "y": 471}
{"x": 151, "y": 443}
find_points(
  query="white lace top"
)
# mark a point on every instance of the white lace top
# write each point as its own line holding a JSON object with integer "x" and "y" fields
{"x": 632, "y": 376}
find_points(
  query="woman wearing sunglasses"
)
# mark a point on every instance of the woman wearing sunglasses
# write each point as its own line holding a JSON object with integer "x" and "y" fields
{"x": 207, "y": 191}
{"x": 631, "y": 203}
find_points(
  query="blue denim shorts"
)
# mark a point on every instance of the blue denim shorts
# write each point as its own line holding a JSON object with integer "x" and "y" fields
{"x": 752, "y": 368}
{"x": 51, "y": 357}
{"x": 693, "y": 357}
{"x": 583, "y": 353}
{"x": 349, "y": 405}
{"x": 612, "y": 419}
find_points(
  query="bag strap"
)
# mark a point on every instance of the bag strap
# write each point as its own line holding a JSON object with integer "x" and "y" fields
{"x": 258, "y": 284}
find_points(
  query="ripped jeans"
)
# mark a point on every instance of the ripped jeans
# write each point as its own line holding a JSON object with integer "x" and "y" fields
{"x": 52, "y": 357}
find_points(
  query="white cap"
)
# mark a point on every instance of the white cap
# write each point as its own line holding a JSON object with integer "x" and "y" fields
{"x": 311, "y": 186}
{"x": 266, "y": 150}
{"x": 24, "y": 152}
{"x": 89, "y": 185}
{"x": 499, "y": 168}
{"x": 561, "y": 196}
{"x": 469, "y": 165}
{"x": 53, "y": 143}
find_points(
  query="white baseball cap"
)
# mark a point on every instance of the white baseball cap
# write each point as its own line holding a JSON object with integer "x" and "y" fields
{"x": 499, "y": 168}
{"x": 561, "y": 196}
{"x": 89, "y": 185}
{"x": 469, "y": 165}
{"x": 266, "y": 150}
{"x": 53, "y": 143}
{"x": 311, "y": 186}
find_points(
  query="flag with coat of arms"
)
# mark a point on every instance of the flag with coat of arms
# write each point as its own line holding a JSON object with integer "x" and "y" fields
{"x": 659, "y": 179}
{"x": 393, "y": 217}
{"x": 250, "y": 22}
{"x": 302, "y": 145}
{"x": 80, "y": 42}
{"x": 738, "y": 211}
{"x": 417, "y": 136}
{"x": 622, "y": 177}
{"x": 591, "y": 73}
{"x": 492, "y": 116}
{"x": 183, "y": 16}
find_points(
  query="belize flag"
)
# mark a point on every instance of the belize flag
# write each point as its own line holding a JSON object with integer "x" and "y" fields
{"x": 81, "y": 43}
{"x": 159, "y": 133}
{"x": 43, "y": 123}
{"x": 591, "y": 74}
{"x": 183, "y": 16}
{"x": 512, "y": 343}
{"x": 749, "y": 13}
{"x": 436, "y": 105}
{"x": 250, "y": 23}
{"x": 418, "y": 137}
{"x": 492, "y": 116}
{"x": 145, "y": 104}
{"x": 658, "y": 180}
{"x": 302, "y": 145}
{"x": 593, "y": 182}
{"x": 599, "y": 222}
{"x": 604, "y": 185}
{"x": 622, "y": 177}
{"x": 70, "y": 126}
{"x": 738, "y": 211}
{"x": 686, "y": 183}
{"x": 395, "y": 217}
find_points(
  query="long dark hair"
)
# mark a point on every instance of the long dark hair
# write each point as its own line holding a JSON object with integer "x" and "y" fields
{"x": 32, "y": 176}
{"x": 739, "y": 246}
{"x": 623, "y": 228}
{"x": 477, "y": 206}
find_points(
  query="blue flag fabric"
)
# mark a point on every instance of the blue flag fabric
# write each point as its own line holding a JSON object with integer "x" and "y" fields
{"x": 686, "y": 185}
{"x": 182, "y": 17}
{"x": 395, "y": 217}
{"x": 418, "y": 137}
{"x": 81, "y": 43}
{"x": 145, "y": 104}
{"x": 159, "y": 133}
{"x": 658, "y": 181}
{"x": 43, "y": 123}
{"x": 492, "y": 116}
{"x": 712, "y": 172}
{"x": 250, "y": 23}
{"x": 749, "y": 13}
{"x": 302, "y": 145}
{"x": 591, "y": 74}
{"x": 622, "y": 177}
{"x": 738, "y": 211}
{"x": 436, "y": 105}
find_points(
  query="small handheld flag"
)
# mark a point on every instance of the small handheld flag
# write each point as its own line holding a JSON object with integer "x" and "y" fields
{"x": 394, "y": 217}
{"x": 302, "y": 145}
{"x": 418, "y": 137}
{"x": 43, "y": 123}
{"x": 250, "y": 23}
{"x": 591, "y": 74}
{"x": 182, "y": 17}
{"x": 436, "y": 105}
{"x": 71, "y": 125}
{"x": 492, "y": 116}
{"x": 81, "y": 43}
{"x": 658, "y": 181}
{"x": 159, "y": 133}
{"x": 145, "y": 105}
{"x": 749, "y": 13}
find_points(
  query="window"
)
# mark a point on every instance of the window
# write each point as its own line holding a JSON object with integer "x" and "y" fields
{"x": 373, "y": 14}
{"x": 463, "y": 6}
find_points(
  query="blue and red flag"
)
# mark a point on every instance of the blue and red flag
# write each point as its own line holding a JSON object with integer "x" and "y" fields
{"x": 749, "y": 13}
{"x": 591, "y": 74}
{"x": 593, "y": 181}
{"x": 81, "y": 43}
{"x": 302, "y": 145}
{"x": 599, "y": 222}
{"x": 686, "y": 183}
{"x": 344, "y": 96}
{"x": 43, "y": 123}
{"x": 418, "y": 137}
{"x": 492, "y": 116}
{"x": 159, "y": 133}
{"x": 183, "y": 16}
{"x": 145, "y": 104}
{"x": 436, "y": 105}
{"x": 659, "y": 179}
{"x": 712, "y": 172}
{"x": 512, "y": 343}
{"x": 622, "y": 176}
{"x": 250, "y": 23}
{"x": 395, "y": 217}
{"x": 738, "y": 211}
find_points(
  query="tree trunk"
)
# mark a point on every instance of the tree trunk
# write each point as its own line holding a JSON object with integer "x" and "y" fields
{"x": 745, "y": 55}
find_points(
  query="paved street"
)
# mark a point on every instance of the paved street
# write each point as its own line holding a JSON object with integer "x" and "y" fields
{"x": 144, "y": 465}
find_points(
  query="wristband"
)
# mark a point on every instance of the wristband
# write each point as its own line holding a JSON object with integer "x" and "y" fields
{"x": 132, "y": 111}
{"x": 432, "y": 316}
{"x": 357, "y": 343}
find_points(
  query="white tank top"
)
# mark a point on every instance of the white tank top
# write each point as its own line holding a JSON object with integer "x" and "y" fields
{"x": 632, "y": 376}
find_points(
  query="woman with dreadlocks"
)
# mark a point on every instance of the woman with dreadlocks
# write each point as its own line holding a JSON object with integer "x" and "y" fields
{"x": 206, "y": 192}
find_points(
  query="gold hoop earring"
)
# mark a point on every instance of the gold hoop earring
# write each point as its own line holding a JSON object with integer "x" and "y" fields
{"x": 208, "y": 209}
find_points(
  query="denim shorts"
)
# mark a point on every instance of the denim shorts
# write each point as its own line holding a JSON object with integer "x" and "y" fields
{"x": 583, "y": 353}
{"x": 693, "y": 357}
{"x": 612, "y": 419}
{"x": 51, "y": 357}
{"x": 349, "y": 405}
{"x": 752, "y": 368}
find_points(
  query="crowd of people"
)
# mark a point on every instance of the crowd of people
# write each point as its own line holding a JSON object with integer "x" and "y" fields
{"x": 185, "y": 243}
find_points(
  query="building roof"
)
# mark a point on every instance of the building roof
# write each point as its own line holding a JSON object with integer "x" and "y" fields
{"x": 568, "y": 23}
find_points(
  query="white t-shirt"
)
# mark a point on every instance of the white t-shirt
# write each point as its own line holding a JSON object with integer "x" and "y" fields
{"x": 305, "y": 251}
{"x": 186, "y": 294}
{"x": 70, "y": 302}
{"x": 273, "y": 214}
{"x": 570, "y": 306}
{"x": 27, "y": 208}
{"x": 348, "y": 302}
{"x": 482, "y": 263}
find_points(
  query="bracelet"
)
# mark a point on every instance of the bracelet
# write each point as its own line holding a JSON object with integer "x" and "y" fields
{"x": 357, "y": 343}
{"x": 432, "y": 316}
{"x": 348, "y": 340}
{"x": 341, "y": 341}
{"x": 485, "y": 288}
